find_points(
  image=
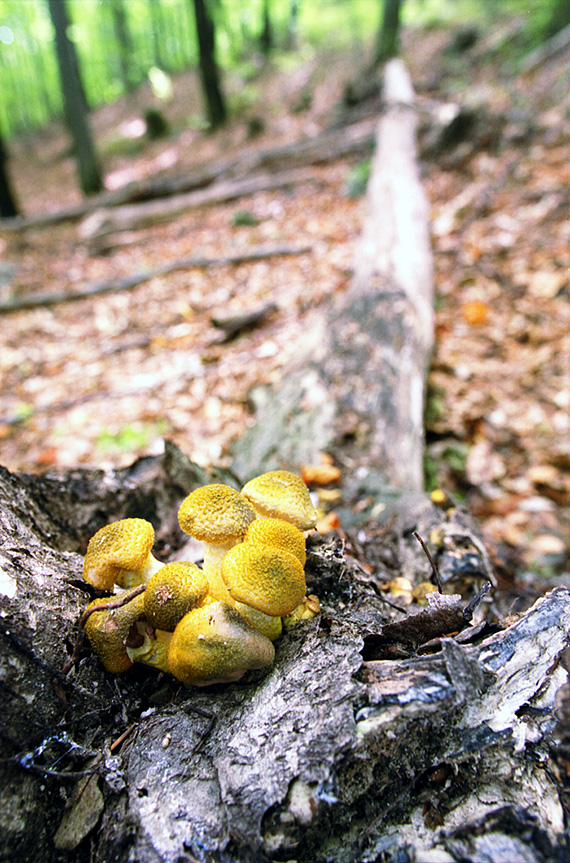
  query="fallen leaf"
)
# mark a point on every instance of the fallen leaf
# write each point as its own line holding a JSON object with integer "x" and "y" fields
{"x": 328, "y": 522}
{"x": 320, "y": 474}
{"x": 475, "y": 312}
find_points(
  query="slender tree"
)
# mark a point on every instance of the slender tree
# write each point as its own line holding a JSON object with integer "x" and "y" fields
{"x": 266, "y": 40}
{"x": 8, "y": 206}
{"x": 209, "y": 72}
{"x": 124, "y": 43}
{"x": 388, "y": 37}
{"x": 75, "y": 104}
{"x": 559, "y": 17}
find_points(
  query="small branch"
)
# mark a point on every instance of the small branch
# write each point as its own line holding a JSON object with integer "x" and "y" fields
{"x": 127, "y": 283}
{"x": 122, "y": 737}
{"x": 429, "y": 556}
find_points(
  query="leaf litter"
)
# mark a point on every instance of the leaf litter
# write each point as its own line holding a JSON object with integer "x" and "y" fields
{"x": 106, "y": 379}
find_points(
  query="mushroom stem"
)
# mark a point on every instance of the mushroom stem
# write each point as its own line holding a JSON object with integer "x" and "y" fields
{"x": 154, "y": 649}
{"x": 127, "y": 579}
{"x": 212, "y": 569}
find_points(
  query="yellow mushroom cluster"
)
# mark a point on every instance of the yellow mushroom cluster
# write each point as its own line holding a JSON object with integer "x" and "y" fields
{"x": 211, "y": 624}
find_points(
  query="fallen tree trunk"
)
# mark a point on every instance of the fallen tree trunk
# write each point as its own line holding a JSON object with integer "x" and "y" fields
{"x": 382, "y": 732}
{"x": 336, "y": 754}
{"x": 327, "y": 146}
{"x": 357, "y": 382}
{"x": 132, "y": 216}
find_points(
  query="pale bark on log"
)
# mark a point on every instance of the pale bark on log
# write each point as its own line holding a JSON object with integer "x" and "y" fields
{"x": 334, "y": 755}
{"x": 361, "y": 369}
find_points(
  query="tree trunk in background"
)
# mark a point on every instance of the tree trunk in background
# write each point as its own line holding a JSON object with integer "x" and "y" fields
{"x": 75, "y": 105}
{"x": 559, "y": 17}
{"x": 8, "y": 205}
{"x": 124, "y": 43}
{"x": 157, "y": 41}
{"x": 215, "y": 105}
{"x": 266, "y": 40}
{"x": 388, "y": 38}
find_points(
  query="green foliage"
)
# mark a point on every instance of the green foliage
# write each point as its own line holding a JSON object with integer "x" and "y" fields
{"x": 357, "y": 179}
{"x": 134, "y": 436}
{"x": 162, "y": 37}
{"x": 244, "y": 218}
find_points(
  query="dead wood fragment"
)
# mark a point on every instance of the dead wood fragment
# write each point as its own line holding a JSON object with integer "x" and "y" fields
{"x": 127, "y": 283}
{"x": 548, "y": 50}
{"x": 234, "y": 326}
{"x": 133, "y": 216}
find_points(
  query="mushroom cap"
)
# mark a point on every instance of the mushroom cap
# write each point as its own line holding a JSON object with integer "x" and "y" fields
{"x": 172, "y": 592}
{"x": 215, "y": 514}
{"x": 266, "y": 578}
{"x": 108, "y": 631}
{"x": 214, "y": 644}
{"x": 121, "y": 545}
{"x": 269, "y": 626}
{"x": 281, "y": 494}
{"x": 279, "y": 534}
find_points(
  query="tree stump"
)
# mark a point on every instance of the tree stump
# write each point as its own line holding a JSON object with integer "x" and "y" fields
{"x": 377, "y": 735}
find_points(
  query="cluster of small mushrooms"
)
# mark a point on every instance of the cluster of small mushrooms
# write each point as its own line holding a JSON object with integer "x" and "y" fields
{"x": 211, "y": 624}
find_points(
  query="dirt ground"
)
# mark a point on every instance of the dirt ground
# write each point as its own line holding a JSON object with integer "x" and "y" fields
{"x": 101, "y": 381}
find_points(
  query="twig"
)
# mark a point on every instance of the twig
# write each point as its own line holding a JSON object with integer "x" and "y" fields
{"x": 469, "y": 609}
{"x": 45, "y": 771}
{"x": 207, "y": 714}
{"x": 429, "y": 556}
{"x": 127, "y": 283}
{"x": 122, "y": 737}
{"x": 105, "y": 606}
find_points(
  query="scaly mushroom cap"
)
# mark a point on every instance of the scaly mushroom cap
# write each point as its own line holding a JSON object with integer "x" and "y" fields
{"x": 281, "y": 494}
{"x": 172, "y": 592}
{"x": 266, "y": 578}
{"x": 215, "y": 514}
{"x": 110, "y": 630}
{"x": 118, "y": 547}
{"x": 213, "y": 644}
{"x": 278, "y": 534}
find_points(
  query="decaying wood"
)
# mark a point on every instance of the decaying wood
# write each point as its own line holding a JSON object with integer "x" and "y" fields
{"x": 333, "y": 755}
{"x": 324, "y": 147}
{"x": 233, "y": 326}
{"x": 133, "y": 216}
{"x": 361, "y": 370}
{"x": 127, "y": 283}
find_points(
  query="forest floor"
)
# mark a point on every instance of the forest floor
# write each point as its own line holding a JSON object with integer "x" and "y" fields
{"x": 101, "y": 381}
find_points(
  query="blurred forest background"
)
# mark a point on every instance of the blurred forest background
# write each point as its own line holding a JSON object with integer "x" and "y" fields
{"x": 108, "y": 107}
